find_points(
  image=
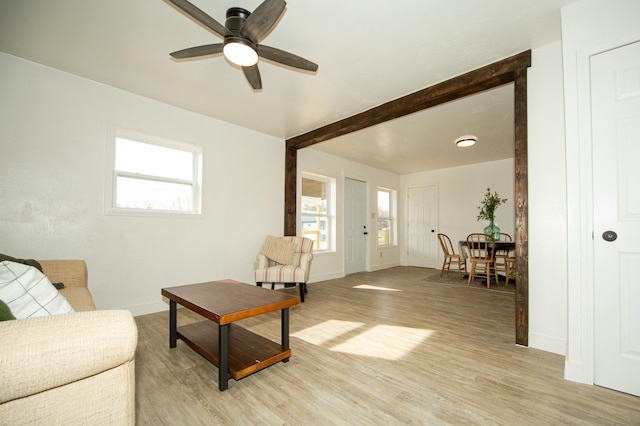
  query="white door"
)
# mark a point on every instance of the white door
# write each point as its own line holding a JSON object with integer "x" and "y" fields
{"x": 615, "y": 91}
{"x": 422, "y": 244}
{"x": 355, "y": 243}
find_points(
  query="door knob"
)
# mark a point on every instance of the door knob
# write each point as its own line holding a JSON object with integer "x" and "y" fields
{"x": 609, "y": 236}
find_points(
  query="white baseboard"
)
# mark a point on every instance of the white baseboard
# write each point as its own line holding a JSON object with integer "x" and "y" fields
{"x": 547, "y": 343}
{"x": 384, "y": 266}
{"x": 325, "y": 277}
{"x": 575, "y": 372}
{"x": 147, "y": 308}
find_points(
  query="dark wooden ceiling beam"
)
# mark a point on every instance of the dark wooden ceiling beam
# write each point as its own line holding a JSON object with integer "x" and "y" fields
{"x": 470, "y": 83}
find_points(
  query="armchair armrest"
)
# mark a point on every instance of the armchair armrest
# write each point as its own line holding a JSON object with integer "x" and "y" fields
{"x": 263, "y": 261}
{"x": 305, "y": 261}
{"x": 46, "y": 352}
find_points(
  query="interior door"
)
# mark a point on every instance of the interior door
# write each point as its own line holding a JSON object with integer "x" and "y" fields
{"x": 615, "y": 91}
{"x": 355, "y": 200}
{"x": 422, "y": 244}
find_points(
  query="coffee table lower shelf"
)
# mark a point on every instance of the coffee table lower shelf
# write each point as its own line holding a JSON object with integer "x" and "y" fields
{"x": 248, "y": 352}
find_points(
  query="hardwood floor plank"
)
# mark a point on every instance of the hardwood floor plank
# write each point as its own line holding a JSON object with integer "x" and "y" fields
{"x": 385, "y": 347}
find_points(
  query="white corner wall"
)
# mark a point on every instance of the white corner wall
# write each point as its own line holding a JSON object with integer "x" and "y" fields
{"x": 547, "y": 202}
{"x": 53, "y": 134}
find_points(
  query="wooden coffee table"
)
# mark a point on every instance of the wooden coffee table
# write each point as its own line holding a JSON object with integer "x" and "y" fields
{"x": 237, "y": 352}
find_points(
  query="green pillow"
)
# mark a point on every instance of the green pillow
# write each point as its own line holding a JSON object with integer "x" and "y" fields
{"x": 5, "y": 312}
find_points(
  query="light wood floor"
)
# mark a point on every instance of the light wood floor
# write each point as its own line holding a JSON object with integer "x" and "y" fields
{"x": 379, "y": 348}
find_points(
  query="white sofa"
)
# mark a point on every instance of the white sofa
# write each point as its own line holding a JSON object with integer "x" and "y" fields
{"x": 71, "y": 369}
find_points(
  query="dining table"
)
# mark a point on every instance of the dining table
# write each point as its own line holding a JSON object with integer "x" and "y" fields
{"x": 506, "y": 246}
{"x": 500, "y": 246}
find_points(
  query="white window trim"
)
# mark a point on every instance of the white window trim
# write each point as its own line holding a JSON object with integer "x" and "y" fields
{"x": 392, "y": 218}
{"x": 112, "y": 175}
{"x": 331, "y": 209}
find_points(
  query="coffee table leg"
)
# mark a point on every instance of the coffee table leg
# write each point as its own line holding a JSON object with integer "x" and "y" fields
{"x": 173, "y": 335}
{"x": 285, "y": 330}
{"x": 223, "y": 344}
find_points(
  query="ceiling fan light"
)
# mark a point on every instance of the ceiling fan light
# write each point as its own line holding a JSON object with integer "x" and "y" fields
{"x": 240, "y": 52}
{"x": 466, "y": 141}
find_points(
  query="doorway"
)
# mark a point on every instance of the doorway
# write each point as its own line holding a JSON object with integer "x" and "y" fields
{"x": 422, "y": 221}
{"x": 615, "y": 83}
{"x": 355, "y": 226}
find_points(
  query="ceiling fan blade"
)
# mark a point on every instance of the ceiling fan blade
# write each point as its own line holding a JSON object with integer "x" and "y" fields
{"x": 262, "y": 19}
{"x": 192, "y": 52}
{"x": 253, "y": 76}
{"x": 286, "y": 58}
{"x": 202, "y": 18}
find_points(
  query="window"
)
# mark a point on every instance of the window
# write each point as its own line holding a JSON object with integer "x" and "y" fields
{"x": 155, "y": 176}
{"x": 386, "y": 217}
{"x": 316, "y": 211}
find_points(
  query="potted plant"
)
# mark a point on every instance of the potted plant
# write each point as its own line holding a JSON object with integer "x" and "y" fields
{"x": 488, "y": 208}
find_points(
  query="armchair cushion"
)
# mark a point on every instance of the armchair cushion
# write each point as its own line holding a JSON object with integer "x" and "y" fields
{"x": 278, "y": 250}
{"x": 29, "y": 293}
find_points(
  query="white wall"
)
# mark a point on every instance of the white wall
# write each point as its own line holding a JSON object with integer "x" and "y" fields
{"x": 547, "y": 202}
{"x": 53, "y": 134}
{"x": 460, "y": 192}
{"x": 331, "y": 265}
{"x": 589, "y": 27}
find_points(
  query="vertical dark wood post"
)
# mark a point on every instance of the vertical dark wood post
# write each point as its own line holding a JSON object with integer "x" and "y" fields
{"x": 290, "y": 178}
{"x": 521, "y": 206}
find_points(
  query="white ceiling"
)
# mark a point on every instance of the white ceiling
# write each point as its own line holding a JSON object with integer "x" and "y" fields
{"x": 368, "y": 53}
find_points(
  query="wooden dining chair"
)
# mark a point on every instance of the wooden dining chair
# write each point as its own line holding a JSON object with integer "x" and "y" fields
{"x": 450, "y": 256}
{"x": 482, "y": 257}
{"x": 511, "y": 270}
{"x": 502, "y": 255}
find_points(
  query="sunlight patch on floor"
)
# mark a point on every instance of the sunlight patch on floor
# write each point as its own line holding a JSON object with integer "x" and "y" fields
{"x": 385, "y": 342}
{"x": 323, "y": 332}
{"x": 375, "y": 287}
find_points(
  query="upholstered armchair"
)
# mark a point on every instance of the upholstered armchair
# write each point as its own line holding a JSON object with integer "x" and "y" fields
{"x": 285, "y": 260}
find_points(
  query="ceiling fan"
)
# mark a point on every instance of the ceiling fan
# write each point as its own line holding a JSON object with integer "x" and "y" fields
{"x": 242, "y": 33}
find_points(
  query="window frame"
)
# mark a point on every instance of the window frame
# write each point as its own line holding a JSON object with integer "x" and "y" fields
{"x": 330, "y": 214}
{"x": 391, "y": 218}
{"x": 196, "y": 152}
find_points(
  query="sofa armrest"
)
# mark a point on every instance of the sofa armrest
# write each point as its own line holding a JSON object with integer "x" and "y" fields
{"x": 46, "y": 352}
{"x": 72, "y": 273}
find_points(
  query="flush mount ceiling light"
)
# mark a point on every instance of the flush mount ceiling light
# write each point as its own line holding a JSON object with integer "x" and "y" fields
{"x": 466, "y": 141}
{"x": 240, "y": 51}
